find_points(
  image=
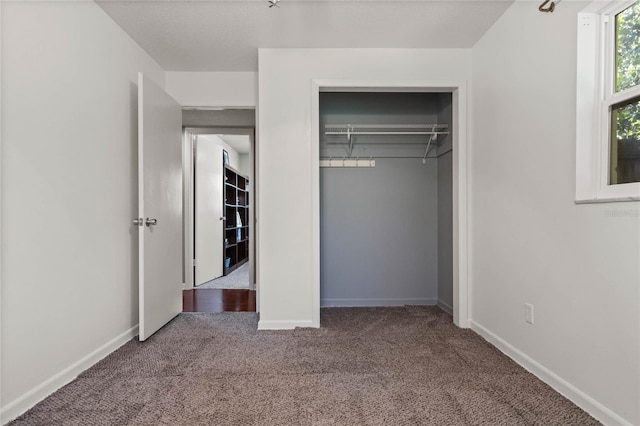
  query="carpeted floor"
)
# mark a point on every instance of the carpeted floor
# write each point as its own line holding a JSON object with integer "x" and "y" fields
{"x": 365, "y": 366}
{"x": 237, "y": 279}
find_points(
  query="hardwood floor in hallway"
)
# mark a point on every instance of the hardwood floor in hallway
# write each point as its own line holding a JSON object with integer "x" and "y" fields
{"x": 218, "y": 300}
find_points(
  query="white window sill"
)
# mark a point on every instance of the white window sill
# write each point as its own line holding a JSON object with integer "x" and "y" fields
{"x": 606, "y": 200}
{"x": 620, "y": 193}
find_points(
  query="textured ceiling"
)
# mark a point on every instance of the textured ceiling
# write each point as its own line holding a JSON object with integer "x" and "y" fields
{"x": 210, "y": 35}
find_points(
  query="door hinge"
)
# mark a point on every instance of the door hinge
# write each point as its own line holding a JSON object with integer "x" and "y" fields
{"x": 194, "y": 262}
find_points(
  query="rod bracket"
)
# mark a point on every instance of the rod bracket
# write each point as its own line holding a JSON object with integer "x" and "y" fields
{"x": 547, "y": 9}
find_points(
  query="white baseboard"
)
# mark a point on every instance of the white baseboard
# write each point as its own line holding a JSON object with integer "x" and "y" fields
{"x": 569, "y": 391}
{"x": 345, "y": 303}
{"x": 284, "y": 324}
{"x": 28, "y": 400}
{"x": 445, "y": 306}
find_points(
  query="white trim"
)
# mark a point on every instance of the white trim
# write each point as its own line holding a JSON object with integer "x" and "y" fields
{"x": 566, "y": 389}
{"x": 622, "y": 96}
{"x": 254, "y": 210}
{"x": 55, "y": 382}
{"x": 586, "y": 118}
{"x": 607, "y": 200}
{"x": 343, "y": 303}
{"x": 445, "y": 306}
{"x": 141, "y": 271}
{"x": 187, "y": 176}
{"x": 461, "y": 249}
{"x": 461, "y": 241}
{"x": 1, "y": 210}
{"x": 316, "y": 86}
{"x": 284, "y": 324}
{"x": 610, "y": 7}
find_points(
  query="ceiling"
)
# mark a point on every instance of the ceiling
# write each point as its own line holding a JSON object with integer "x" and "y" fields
{"x": 240, "y": 143}
{"x": 212, "y": 35}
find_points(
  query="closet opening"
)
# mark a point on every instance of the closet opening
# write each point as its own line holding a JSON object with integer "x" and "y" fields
{"x": 385, "y": 199}
{"x": 391, "y": 196}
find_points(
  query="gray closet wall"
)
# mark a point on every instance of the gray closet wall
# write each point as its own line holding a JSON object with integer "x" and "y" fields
{"x": 379, "y": 232}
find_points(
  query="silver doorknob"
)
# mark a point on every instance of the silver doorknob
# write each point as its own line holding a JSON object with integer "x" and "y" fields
{"x": 223, "y": 218}
{"x": 150, "y": 222}
{"x": 138, "y": 221}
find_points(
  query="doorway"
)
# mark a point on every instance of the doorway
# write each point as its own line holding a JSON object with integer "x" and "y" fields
{"x": 218, "y": 164}
{"x": 222, "y": 196}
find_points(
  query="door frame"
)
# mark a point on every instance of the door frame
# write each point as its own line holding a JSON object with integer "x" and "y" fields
{"x": 459, "y": 128}
{"x": 188, "y": 159}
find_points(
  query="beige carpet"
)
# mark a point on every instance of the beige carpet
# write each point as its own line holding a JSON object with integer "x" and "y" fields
{"x": 238, "y": 279}
{"x": 365, "y": 366}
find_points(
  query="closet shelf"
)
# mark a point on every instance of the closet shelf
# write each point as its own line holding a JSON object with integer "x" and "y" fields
{"x": 350, "y": 130}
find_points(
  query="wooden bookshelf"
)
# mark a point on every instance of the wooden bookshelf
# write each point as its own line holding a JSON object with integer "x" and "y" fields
{"x": 236, "y": 223}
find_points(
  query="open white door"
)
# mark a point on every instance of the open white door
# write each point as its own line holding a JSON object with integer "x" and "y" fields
{"x": 208, "y": 210}
{"x": 159, "y": 206}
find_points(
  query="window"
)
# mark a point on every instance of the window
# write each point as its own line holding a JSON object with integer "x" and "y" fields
{"x": 624, "y": 142}
{"x": 608, "y": 102}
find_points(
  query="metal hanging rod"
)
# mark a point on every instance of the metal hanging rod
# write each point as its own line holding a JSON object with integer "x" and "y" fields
{"x": 383, "y": 157}
{"x": 386, "y": 129}
{"x": 391, "y": 157}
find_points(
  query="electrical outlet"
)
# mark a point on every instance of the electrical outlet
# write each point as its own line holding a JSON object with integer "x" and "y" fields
{"x": 528, "y": 313}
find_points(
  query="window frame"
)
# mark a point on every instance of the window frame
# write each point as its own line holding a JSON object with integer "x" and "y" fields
{"x": 595, "y": 95}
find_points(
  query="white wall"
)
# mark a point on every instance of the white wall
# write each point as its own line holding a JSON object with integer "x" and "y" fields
{"x": 234, "y": 157}
{"x": 69, "y": 179}
{"x": 244, "y": 165}
{"x": 213, "y": 89}
{"x": 284, "y": 157}
{"x": 577, "y": 264}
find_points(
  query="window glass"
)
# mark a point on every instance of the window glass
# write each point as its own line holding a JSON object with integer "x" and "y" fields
{"x": 628, "y": 47}
{"x": 625, "y": 142}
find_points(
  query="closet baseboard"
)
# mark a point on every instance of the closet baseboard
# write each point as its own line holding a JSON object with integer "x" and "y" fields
{"x": 445, "y": 306}
{"x": 344, "y": 303}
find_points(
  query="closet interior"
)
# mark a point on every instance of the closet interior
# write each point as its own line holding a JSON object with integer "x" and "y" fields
{"x": 386, "y": 199}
